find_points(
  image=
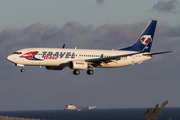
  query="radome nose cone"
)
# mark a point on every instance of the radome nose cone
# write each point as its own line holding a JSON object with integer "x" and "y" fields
{"x": 9, "y": 58}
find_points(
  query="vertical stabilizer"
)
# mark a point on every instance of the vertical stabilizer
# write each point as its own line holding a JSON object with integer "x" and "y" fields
{"x": 144, "y": 42}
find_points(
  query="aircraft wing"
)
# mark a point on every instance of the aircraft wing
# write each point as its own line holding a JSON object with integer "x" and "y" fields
{"x": 106, "y": 60}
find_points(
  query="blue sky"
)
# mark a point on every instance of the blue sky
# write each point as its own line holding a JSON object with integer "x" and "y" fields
{"x": 96, "y": 24}
{"x": 20, "y": 13}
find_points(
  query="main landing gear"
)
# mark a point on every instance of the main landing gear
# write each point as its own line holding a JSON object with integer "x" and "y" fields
{"x": 89, "y": 72}
{"x": 76, "y": 72}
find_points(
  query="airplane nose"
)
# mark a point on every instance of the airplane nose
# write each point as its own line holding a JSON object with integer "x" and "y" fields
{"x": 10, "y": 58}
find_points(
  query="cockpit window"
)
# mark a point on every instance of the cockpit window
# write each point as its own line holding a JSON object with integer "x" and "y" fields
{"x": 17, "y": 53}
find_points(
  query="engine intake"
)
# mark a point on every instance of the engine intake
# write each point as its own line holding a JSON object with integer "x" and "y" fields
{"x": 80, "y": 65}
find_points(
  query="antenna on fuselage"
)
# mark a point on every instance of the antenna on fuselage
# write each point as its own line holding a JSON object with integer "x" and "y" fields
{"x": 63, "y": 46}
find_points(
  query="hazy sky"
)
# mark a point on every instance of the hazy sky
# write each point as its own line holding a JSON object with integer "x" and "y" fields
{"x": 96, "y": 24}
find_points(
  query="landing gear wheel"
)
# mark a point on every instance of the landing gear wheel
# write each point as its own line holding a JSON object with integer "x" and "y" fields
{"x": 76, "y": 72}
{"x": 22, "y": 70}
{"x": 90, "y": 72}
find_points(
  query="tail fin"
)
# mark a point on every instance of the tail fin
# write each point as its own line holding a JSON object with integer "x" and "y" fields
{"x": 144, "y": 42}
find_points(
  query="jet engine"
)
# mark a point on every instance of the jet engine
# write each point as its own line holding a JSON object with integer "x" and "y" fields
{"x": 80, "y": 65}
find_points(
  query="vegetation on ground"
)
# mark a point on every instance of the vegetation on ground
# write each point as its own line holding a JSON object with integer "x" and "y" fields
{"x": 153, "y": 113}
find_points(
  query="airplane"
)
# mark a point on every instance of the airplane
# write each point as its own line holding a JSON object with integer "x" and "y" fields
{"x": 82, "y": 59}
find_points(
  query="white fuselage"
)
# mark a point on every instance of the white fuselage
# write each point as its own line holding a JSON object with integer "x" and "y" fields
{"x": 81, "y": 59}
{"x": 57, "y": 56}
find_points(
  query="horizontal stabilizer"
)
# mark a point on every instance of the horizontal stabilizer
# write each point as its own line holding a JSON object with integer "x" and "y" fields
{"x": 157, "y": 53}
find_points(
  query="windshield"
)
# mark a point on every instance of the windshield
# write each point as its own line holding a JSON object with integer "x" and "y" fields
{"x": 17, "y": 53}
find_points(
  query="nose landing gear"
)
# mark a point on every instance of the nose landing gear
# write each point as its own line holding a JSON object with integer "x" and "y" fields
{"x": 22, "y": 70}
{"x": 20, "y": 65}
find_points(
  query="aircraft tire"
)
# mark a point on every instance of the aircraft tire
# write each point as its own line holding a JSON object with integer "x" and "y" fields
{"x": 22, "y": 70}
{"x": 90, "y": 72}
{"x": 76, "y": 72}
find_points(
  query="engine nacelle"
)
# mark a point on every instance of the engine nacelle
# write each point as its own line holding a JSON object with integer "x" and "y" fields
{"x": 80, "y": 65}
{"x": 54, "y": 67}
